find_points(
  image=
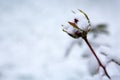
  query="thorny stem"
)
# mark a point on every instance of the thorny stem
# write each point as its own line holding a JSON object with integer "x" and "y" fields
{"x": 99, "y": 62}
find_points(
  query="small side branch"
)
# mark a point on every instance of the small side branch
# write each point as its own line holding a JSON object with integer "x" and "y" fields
{"x": 112, "y": 59}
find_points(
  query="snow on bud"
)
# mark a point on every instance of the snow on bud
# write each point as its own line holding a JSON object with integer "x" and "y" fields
{"x": 74, "y": 29}
{"x": 73, "y": 32}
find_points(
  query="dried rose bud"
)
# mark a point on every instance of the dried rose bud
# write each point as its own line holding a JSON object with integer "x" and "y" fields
{"x": 74, "y": 28}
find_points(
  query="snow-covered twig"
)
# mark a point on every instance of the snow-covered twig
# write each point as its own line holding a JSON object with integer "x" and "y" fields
{"x": 76, "y": 32}
{"x": 99, "y": 62}
{"x": 112, "y": 58}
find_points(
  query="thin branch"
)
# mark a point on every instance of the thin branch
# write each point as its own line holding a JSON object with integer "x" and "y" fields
{"x": 115, "y": 62}
{"x": 99, "y": 62}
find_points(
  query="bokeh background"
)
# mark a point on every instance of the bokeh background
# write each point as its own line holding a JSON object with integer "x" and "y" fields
{"x": 32, "y": 44}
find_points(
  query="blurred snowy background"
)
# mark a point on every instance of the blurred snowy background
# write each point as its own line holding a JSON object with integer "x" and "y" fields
{"x": 32, "y": 44}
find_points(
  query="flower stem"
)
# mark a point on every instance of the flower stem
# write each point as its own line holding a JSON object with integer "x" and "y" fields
{"x": 99, "y": 62}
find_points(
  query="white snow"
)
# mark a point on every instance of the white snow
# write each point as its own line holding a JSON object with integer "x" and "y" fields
{"x": 32, "y": 44}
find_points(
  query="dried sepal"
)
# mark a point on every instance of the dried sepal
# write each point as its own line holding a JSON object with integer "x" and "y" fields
{"x": 73, "y": 25}
{"x": 76, "y": 30}
{"x": 85, "y": 16}
{"x": 73, "y": 32}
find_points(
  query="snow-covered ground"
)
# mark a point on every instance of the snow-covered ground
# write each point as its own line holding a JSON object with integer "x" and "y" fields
{"x": 32, "y": 44}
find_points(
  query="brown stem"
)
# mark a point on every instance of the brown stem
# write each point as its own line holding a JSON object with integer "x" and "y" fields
{"x": 99, "y": 62}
